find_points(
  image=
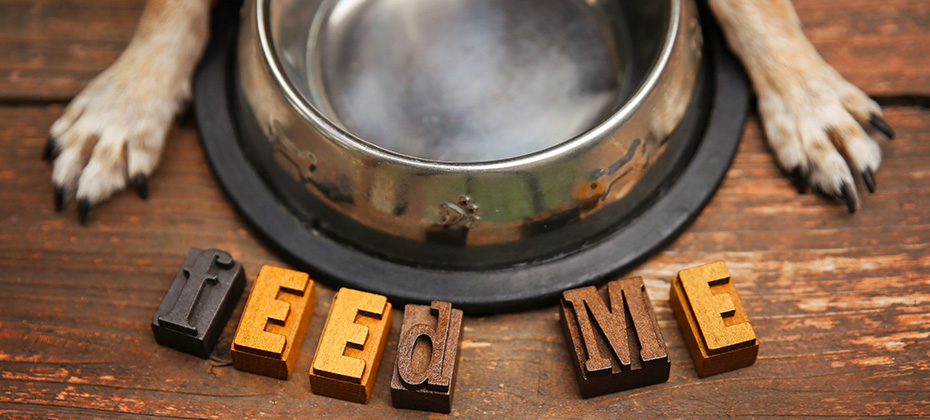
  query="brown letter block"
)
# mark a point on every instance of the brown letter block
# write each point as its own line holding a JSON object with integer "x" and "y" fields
{"x": 274, "y": 322}
{"x": 346, "y": 361}
{"x": 427, "y": 356}
{"x": 614, "y": 348}
{"x": 712, "y": 319}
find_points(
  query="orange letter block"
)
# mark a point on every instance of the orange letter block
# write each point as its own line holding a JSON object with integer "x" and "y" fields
{"x": 274, "y": 322}
{"x": 346, "y": 361}
{"x": 712, "y": 319}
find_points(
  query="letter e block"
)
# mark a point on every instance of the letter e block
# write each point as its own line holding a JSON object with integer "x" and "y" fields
{"x": 617, "y": 347}
{"x": 346, "y": 361}
{"x": 712, "y": 319}
{"x": 274, "y": 322}
{"x": 427, "y": 357}
{"x": 198, "y": 304}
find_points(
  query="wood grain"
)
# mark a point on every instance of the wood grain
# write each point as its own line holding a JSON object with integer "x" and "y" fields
{"x": 875, "y": 44}
{"x": 841, "y": 303}
{"x": 346, "y": 361}
{"x": 52, "y": 48}
{"x": 274, "y": 322}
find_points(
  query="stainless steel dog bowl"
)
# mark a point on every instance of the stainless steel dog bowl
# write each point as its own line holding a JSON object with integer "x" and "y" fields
{"x": 463, "y": 133}
{"x": 464, "y": 150}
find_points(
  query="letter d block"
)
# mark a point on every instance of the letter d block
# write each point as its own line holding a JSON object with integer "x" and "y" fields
{"x": 712, "y": 319}
{"x": 346, "y": 361}
{"x": 617, "y": 347}
{"x": 427, "y": 355}
{"x": 274, "y": 322}
{"x": 197, "y": 306}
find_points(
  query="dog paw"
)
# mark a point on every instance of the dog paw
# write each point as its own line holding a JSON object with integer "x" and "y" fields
{"x": 112, "y": 134}
{"x": 820, "y": 128}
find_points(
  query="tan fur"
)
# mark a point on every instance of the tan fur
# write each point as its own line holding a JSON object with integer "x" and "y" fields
{"x": 812, "y": 116}
{"x": 115, "y": 129}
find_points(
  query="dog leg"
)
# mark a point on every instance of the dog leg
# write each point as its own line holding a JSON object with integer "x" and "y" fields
{"x": 814, "y": 119}
{"x": 113, "y": 132}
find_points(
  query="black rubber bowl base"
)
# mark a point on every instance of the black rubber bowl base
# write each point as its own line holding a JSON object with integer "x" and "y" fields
{"x": 676, "y": 203}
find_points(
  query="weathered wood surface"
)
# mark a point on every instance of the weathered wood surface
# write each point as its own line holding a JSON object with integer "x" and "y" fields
{"x": 840, "y": 303}
{"x": 52, "y": 48}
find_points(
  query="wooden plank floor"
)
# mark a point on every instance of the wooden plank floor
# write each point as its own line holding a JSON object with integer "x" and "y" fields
{"x": 841, "y": 303}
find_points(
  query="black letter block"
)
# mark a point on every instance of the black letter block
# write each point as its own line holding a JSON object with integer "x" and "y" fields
{"x": 198, "y": 304}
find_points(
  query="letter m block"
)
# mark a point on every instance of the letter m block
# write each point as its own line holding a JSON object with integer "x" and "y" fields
{"x": 614, "y": 338}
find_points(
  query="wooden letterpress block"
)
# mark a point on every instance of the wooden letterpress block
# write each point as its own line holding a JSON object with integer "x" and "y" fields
{"x": 712, "y": 319}
{"x": 346, "y": 361}
{"x": 197, "y": 306}
{"x": 274, "y": 322}
{"x": 615, "y": 348}
{"x": 424, "y": 375}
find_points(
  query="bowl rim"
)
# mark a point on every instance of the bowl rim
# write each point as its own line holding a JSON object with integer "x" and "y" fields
{"x": 347, "y": 140}
{"x": 511, "y": 289}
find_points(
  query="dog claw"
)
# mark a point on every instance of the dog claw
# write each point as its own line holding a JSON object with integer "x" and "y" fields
{"x": 869, "y": 180}
{"x": 49, "y": 150}
{"x": 882, "y": 126}
{"x": 186, "y": 116}
{"x": 59, "y": 197}
{"x": 799, "y": 176}
{"x": 83, "y": 209}
{"x": 850, "y": 197}
{"x": 141, "y": 183}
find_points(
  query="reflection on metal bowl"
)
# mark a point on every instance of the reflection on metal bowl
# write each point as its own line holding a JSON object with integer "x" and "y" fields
{"x": 467, "y": 135}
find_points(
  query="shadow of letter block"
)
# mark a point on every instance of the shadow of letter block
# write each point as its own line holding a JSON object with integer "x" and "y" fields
{"x": 346, "y": 361}
{"x": 712, "y": 319}
{"x": 197, "y": 306}
{"x": 424, "y": 375}
{"x": 615, "y": 348}
{"x": 274, "y": 322}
